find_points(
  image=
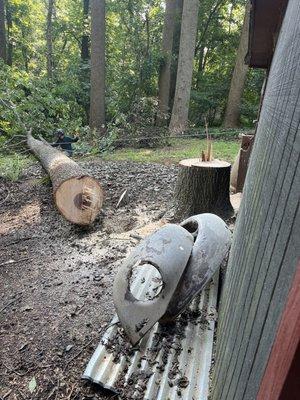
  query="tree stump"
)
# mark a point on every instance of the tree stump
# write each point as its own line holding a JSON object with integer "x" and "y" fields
{"x": 203, "y": 186}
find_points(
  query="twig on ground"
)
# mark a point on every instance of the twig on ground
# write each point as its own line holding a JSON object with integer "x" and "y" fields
{"x": 8, "y": 304}
{"x": 6, "y": 198}
{"x": 136, "y": 236}
{"x": 71, "y": 392}
{"x": 77, "y": 355}
{"x": 14, "y": 261}
{"x": 7, "y": 394}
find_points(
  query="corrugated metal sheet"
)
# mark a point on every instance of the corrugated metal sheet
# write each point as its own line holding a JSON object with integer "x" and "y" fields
{"x": 170, "y": 362}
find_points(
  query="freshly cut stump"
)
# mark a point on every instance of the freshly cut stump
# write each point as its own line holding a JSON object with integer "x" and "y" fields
{"x": 202, "y": 186}
{"x": 77, "y": 195}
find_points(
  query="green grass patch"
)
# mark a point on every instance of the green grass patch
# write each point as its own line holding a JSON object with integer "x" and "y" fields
{"x": 179, "y": 149}
{"x": 12, "y": 166}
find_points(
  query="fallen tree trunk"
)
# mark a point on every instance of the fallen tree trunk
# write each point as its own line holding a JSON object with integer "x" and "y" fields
{"x": 77, "y": 195}
{"x": 203, "y": 186}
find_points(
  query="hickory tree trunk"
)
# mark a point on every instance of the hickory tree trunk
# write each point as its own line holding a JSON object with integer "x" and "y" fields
{"x": 2, "y": 32}
{"x": 165, "y": 71}
{"x": 202, "y": 186}
{"x": 175, "y": 50}
{"x": 97, "y": 98}
{"x": 77, "y": 195}
{"x": 179, "y": 117}
{"x": 233, "y": 108}
{"x": 49, "y": 38}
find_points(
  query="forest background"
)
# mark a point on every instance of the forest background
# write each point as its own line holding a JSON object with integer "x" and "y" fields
{"x": 98, "y": 69}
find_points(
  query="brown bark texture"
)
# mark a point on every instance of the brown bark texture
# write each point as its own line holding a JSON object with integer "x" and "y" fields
{"x": 62, "y": 169}
{"x": 49, "y": 38}
{"x": 85, "y": 40}
{"x": 175, "y": 50}
{"x": 2, "y": 32}
{"x": 179, "y": 117}
{"x": 9, "y": 50}
{"x": 233, "y": 107}
{"x": 202, "y": 187}
{"x": 165, "y": 71}
{"x": 97, "y": 99}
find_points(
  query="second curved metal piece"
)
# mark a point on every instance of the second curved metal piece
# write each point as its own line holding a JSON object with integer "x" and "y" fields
{"x": 212, "y": 243}
{"x": 168, "y": 250}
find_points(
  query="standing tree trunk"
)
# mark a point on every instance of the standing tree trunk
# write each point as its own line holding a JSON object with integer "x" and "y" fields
{"x": 97, "y": 101}
{"x": 9, "y": 54}
{"x": 2, "y": 32}
{"x": 233, "y": 108}
{"x": 165, "y": 71}
{"x": 77, "y": 195}
{"x": 85, "y": 40}
{"x": 179, "y": 118}
{"x": 175, "y": 50}
{"x": 49, "y": 39}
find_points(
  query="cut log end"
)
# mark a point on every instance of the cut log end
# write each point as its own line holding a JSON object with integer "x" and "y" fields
{"x": 79, "y": 199}
{"x": 196, "y": 162}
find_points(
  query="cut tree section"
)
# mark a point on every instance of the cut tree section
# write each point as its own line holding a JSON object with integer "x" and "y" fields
{"x": 77, "y": 195}
{"x": 203, "y": 186}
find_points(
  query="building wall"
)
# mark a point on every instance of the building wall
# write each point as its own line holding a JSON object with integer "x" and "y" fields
{"x": 266, "y": 241}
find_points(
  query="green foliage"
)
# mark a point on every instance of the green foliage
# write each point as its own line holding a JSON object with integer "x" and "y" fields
{"x": 133, "y": 61}
{"x": 12, "y": 166}
{"x": 38, "y": 104}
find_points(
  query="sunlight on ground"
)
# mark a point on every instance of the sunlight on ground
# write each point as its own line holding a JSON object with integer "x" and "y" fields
{"x": 178, "y": 150}
{"x": 27, "y": 215}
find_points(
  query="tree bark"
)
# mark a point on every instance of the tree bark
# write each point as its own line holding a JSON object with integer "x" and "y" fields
{"x": 77, "y": 195}
{"x": 233, "y": 108}
{"x": 9, "y": 54}
{"x": 202, "y": 186}
{"x": 85, "y": 40}
{"x": 97, "y": 102}
{"x": 2, "y": 32}
{"x": 175, "y": 50}
{"x": 49, "y": 39}
{"x": 179, "y": 117}
{"x": 165, "y": 71}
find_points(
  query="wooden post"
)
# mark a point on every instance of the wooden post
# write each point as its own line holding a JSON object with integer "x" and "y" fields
{"x": 265, "y": 248}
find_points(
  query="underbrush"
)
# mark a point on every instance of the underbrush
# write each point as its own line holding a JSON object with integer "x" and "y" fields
{"x": 12, "y": 166}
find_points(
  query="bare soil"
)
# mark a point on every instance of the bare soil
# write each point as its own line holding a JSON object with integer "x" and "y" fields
{"x": 56, "y": 279}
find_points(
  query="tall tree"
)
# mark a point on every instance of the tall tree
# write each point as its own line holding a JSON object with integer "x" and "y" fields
{"x": 9, "y": 24}
{"x": 179, "y": 117}
{"x": 233, "y": 107}
{"x": 97, "y": 99}
{"x": 175, "y": 50}
{"x": 85, "y": 53}
{"x": 2, "y": 32}
{"x": 165, "y": 71}
{"x": 49, "y": 38}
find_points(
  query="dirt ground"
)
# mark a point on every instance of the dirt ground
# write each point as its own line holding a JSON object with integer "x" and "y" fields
{"x": 56, "y": 279}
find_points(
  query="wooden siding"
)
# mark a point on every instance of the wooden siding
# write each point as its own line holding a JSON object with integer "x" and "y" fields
{"x": 266, "y": 242}
{"x": 284, "y": 350}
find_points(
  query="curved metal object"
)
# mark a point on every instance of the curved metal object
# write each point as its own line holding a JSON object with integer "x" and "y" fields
{"x": 168, "y": 250}
{"x": 212, "y": 244}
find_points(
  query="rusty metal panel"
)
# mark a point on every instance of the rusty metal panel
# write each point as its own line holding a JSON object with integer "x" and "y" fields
{"x": 171, "y": 361}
